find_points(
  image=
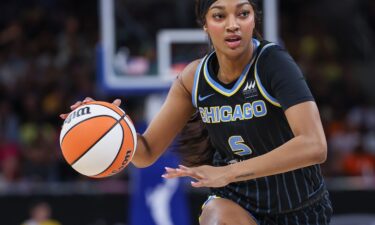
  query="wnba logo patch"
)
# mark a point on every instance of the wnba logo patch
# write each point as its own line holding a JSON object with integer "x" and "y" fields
{"x": 250, "y": 90}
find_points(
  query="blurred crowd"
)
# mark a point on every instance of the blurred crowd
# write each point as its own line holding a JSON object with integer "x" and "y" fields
{"x": 47, "y": 54}
{"x": 336, "y": 53}
{"x": 47, "y": 62}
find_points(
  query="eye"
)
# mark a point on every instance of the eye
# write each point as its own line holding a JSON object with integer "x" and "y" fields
{"x": 218, "y": 16}
{"x": 244, "y": 13}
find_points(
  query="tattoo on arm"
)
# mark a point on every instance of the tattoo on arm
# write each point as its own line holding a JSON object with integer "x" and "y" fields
{"x": 245, "y": 175}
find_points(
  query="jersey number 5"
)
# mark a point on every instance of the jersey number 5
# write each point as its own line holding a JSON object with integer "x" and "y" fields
{"x": 238, "y": 147}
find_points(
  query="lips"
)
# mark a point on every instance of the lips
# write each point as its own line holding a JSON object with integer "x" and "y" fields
{"x": 233, "y": 41}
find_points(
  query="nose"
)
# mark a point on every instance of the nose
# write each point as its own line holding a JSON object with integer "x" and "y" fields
{"x": 232, "y": 24}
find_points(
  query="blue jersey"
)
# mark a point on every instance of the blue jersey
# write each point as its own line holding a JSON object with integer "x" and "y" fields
{"x": 245, "y": 119}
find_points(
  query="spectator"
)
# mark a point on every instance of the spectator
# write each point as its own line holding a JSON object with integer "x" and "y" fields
{"x": 40, "y": 214}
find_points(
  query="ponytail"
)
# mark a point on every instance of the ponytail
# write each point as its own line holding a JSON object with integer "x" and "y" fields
{"x": 193, "y": 144}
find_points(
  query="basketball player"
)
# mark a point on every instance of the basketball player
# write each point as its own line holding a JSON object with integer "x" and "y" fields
{"x": 266, "y": 140}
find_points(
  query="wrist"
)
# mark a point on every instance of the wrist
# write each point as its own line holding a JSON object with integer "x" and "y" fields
{"x": 230, "y": 173}
{"x": 237, "y": 172}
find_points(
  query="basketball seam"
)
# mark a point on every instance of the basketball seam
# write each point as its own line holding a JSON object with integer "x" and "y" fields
{"x": 94, "y": 117}
{"x": 67, "y": 132}
{"x": 134, "y": 132}
{"x": 88, "y": 149}
{"x": 118, "y": 152}
{"x": 108, "y": 108}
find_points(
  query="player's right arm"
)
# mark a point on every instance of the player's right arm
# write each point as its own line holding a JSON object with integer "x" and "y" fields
{"x": 173, "y": 116}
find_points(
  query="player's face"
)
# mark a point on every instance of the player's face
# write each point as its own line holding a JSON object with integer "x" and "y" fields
{"x": 230, "y": 25}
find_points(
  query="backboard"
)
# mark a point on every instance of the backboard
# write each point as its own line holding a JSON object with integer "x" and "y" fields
{"x": 122, "y": 68}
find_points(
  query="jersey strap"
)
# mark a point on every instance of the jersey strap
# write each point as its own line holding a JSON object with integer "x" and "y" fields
{"x": 196, "y": 82}
{"x": 262, "y": 89}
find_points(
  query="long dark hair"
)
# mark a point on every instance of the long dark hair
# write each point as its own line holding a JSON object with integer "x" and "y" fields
{"x": 194, "y": 145}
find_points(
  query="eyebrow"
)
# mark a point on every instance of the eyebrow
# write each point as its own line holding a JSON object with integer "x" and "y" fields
{"x": 237, "y": 6}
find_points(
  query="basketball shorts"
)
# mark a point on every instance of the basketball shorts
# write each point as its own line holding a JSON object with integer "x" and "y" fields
{"x": 316, "y": 213}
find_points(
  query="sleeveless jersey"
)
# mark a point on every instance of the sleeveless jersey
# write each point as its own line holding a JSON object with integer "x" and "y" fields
{"x": 244, "y": 120}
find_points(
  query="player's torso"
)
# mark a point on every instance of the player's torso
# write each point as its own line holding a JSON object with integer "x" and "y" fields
{"x": 244, "y": 120}
{"x": 241, "y": 121}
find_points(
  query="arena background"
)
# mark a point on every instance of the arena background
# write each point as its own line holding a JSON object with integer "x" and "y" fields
{"x": 51, "y": 56}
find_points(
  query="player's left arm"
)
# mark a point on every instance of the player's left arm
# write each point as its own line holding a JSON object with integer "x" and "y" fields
{"x": 308, "y": 147}
{"x": 286, "y": 83}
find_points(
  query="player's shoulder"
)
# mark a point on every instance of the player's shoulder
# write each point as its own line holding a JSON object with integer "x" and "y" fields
{"x": 272, "y": 51}
{"x": 188, "y": 73}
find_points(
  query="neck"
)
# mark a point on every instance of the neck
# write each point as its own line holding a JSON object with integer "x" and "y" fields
{"x": 231, "y": 68}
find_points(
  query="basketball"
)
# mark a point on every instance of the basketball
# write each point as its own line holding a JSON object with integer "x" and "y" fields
{"x": 98, "y": 139}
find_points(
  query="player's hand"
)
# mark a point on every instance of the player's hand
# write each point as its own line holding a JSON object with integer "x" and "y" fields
{"x": 63, "y": 116}
{"x": 205, "y": 176}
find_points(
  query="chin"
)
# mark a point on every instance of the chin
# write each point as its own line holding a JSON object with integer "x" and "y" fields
{"x": 235, "y": 53}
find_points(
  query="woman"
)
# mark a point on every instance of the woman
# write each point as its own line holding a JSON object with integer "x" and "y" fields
{"x": 265, "y": 135}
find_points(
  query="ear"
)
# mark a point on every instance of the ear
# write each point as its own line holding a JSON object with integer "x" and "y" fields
{"x": 205, "y": 28}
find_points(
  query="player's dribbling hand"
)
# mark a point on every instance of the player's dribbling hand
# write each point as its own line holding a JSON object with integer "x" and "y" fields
{"x": 116, "y": 102}
{"x": 205, "y": 176}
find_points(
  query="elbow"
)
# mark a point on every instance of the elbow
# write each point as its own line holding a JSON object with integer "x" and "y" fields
{"x": 319, "y": 151}
{"x": 145, "y": 162}
{"x": 141, "y": 165}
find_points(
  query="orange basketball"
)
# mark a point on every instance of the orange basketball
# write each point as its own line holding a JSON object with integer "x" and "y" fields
{"x": 98, "y": 139}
